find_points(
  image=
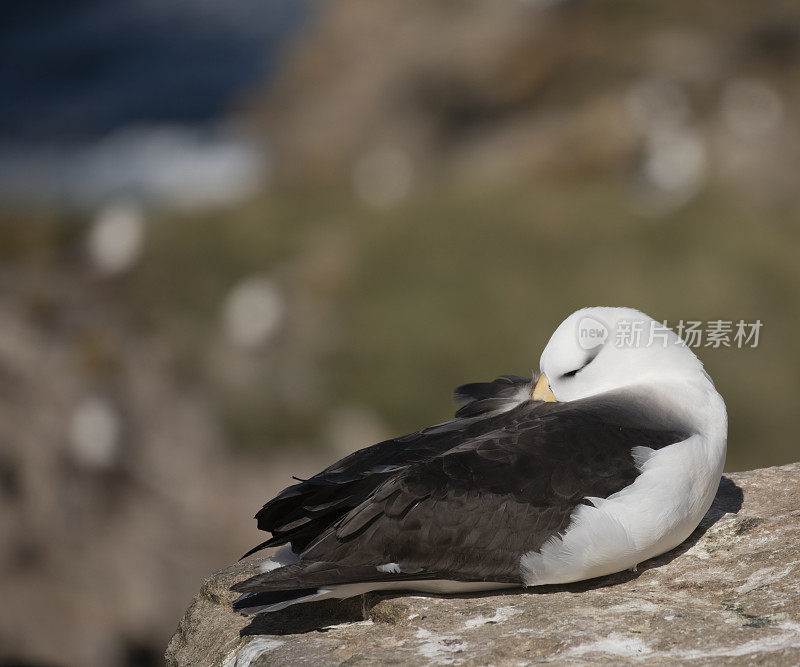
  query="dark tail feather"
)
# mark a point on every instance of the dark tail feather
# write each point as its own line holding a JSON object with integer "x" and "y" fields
{"x": 264, "y": 545}
{"x": 267, "y": 598}
{"x": 315, "y": 575}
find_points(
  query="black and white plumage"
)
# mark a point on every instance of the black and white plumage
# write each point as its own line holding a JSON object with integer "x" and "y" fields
{"x": 617, "y": 463}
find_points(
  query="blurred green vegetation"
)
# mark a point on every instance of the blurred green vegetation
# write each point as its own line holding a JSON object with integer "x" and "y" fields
{"x": 402, "y": 305}
{"x": 465, "y": 285}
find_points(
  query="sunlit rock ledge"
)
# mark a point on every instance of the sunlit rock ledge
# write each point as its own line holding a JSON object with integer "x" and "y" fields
{"x": 729, "y": 594}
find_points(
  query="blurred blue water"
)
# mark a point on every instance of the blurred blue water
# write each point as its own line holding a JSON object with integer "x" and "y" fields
{"x": 76, "y": 70}
{"x": 109, "y": 98}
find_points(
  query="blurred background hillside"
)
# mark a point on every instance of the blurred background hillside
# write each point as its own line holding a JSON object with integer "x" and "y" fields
{"x": 241, "y": 239}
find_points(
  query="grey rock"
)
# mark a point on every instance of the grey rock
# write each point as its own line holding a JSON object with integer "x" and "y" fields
{"x": 730, "y": 594}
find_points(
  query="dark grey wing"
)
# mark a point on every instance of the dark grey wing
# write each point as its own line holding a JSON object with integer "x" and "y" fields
{"x": 470, "y": 513}
{"x": 303, "y": 511}
{"x": 505, "y": 392}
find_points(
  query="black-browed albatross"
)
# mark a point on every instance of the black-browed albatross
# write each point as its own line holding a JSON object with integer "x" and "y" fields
{"x": 610, "y": 456}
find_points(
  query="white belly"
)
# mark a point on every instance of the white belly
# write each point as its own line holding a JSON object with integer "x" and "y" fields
{"x": 653, "y": 515}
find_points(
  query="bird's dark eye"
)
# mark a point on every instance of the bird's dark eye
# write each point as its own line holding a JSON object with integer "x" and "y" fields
{"x": 571, "y": 373}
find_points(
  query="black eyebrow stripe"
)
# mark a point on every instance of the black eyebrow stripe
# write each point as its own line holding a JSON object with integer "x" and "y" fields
{"x": 591, "y": 358}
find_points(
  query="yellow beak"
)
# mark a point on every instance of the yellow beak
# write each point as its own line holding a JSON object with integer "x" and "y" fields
{"x": 542, "y": 391}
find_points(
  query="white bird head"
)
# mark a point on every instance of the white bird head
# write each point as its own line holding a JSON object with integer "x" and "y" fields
{"x": 596, "y": 350}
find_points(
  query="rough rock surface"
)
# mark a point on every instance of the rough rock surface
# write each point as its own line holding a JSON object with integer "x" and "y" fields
{"x": 729, "y": 594}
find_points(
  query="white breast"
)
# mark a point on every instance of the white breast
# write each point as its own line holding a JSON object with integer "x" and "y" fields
{"x": 656, "y": 513}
